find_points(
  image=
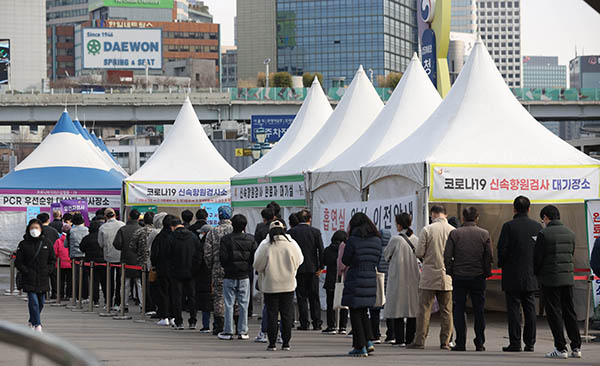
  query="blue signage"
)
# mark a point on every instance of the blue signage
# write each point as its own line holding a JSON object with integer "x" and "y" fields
{"x": 274, "y": 126}
{"x": 428, "y": 55}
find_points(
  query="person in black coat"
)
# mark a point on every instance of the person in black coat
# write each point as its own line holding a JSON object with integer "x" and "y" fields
{"x": 160, "y": 261}
{"x": 35, "y": 259}
{"x": 330, "y": 256}
{"x": 203, "y": 282}
{"x": 185, "y": 254}
{"x": 595, "y": 258}
{"x": 262, "y": 228}
{"x": 307, "y": 291}
{"x": 52, "y": 234}
{"x": 94, "y": 253}
{"x": 201, "y": 217}
{"x": 515, "y": 256}
{"x": 361, "y": 254}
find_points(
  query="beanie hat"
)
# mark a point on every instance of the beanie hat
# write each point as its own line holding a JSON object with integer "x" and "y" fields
{"x": 224, "y": 213}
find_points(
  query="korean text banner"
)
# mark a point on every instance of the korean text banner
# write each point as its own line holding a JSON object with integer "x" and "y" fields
{"x": 336, "y": 216}
{"x": 110, "y": 48}
{"x": 502, "y": 183}
{"x": 176, "y": 194}
{"x": 164, "y": 4}
{"x": 288, "y": 191}
{"x": 274, "y": 126}
{"x": 20, "y": 199}
{"x": 592, "y": 211}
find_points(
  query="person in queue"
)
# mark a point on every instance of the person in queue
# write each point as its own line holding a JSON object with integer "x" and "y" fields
{"x": 434, "y": 282}
{"x": 277, "y": 260}
{"x": 186, "y": 217}
{"x": 201, "y": 220}
{"x": 468, "y": 260}
{"x": 106, "y": 237}
{"x": 57, "y": 222}
{"x": 35, "y": 259}
{"x": 362, "y": 253}
{"x": 76, "y": 234}
{"x": 330, "y": 259}
{"x": 128, "y": 256}
{"x": 62, "y": 253}
{"x": 140, "y": 245}
{"x": 52, "y": 235}
{"x": 402, "y": 288}
{"x": 553, "y": 264}
{"x": 93, "y": 253}
{"x": 515, "y": 256}
{"x": 203, "y": 280}
{"x": 160, "y": 262}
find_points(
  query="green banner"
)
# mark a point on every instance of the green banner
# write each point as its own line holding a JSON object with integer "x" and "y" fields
{"x": 157, "y": 4}
{"x": 288, "y": 191}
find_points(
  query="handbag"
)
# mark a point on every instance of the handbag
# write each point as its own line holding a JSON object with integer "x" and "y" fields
{"x": 380, "y": 298}
{"x": 337, "y": 296}
{"x": 152, "y": 275}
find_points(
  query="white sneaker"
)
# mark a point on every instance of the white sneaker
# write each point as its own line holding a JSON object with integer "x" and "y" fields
{"x": 279, "y": 339}
{"x": 558, "y": 354}
{"x": 38, "y": 328}
{"x": 172, "y": 321}
{"x": 576, "y": 353}
{"x": 261, "y": 338}
{"x": 164, "y": 322}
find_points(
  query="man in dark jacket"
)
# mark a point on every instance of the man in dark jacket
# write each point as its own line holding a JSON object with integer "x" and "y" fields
{"x": 468, "y": 260}
{"x": 57, "y": 222}
{"x": 515, "y": 256}
{"x": 595, "y": 258}
{"x": 237, "y": 255}
{"x": 93, "y": 253}
{"x": 262, "y": 228}
{"x": 330, "y": 258}
{"x": 160, "y": 261}
{"x": 122, "y": 242}
{"x": 184, "y": 253}
{"x": 553, "y": 264}
{"x": 307, "y": 290}
{"x": 51, "y": 234}
{"x": 201, "y": 217}
{"x": 186, "y": 217}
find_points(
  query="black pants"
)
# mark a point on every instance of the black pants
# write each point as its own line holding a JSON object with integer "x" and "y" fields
{"x": 281, "y": 304}
{"x": 331, "y": 313}
{"x": 65, "y": 283}
{"x": 514, "y": 301}
{"x": 307, "y": 292}
{"x": 179, "y": 289}
{"x": 115, "y": 285}
{"x": 474, "y": 287}
{"x": 375, "y": 319}
{"x": 53, "y": 284}
{"x": 561, "y": 314}
{"x": 404, "y": 333}
{"x": 98, "y": 281}
{"x": 361, "y": 327}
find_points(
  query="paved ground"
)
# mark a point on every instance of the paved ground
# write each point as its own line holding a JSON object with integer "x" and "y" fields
{"x": 125, "y": 342}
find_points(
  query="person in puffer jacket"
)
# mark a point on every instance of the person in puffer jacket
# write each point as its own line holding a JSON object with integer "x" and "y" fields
{"x": 65, "y": 263}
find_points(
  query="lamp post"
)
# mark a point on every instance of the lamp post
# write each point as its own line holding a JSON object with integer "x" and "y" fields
{"x": 267, "y": 61}
{"x": 256, "y": 151}
{"x": 265, "y": 148}
{"x": 260, "y": 135}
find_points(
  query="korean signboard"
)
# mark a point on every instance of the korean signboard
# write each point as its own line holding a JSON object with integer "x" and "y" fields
{"x": 336, "y": 216}
{"x": 20, "y": 199}
{"x": 110, "y": 48}
{"x": 4, "y": 60}
{"x": 428, "y": 57}
{"x": 502, "y": 183}
{"x": 288, "y": 191}
{"x": 157, "y": 4}
{"x": 274, "y": 126}
{"x": 176, "y": 194}
{"x": 72, "y": 207}
{"x": 592, "y": 211}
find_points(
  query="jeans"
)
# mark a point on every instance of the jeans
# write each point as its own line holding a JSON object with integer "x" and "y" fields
{"x": 474, "y": 287}
{"x": 514, "y": 302}
{"x": 35, "y": 304}
{"x": 206, "y": 319}
{"x": 179, "y": 289}
{"x": 361, "y": 328}
{"x": 561, "y": 314}
{"x": 232, "y": 290}
{"x": 283, "y": 304}
{"x": 307, "y": 292}
{"x": 331, "y": 323}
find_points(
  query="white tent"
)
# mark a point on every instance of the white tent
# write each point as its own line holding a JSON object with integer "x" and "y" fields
{"x": 351, "y": 118}
{"x": 185, "y": 171}
{"x": 310, "y": 118}
{"x": 413, "y": 100}
{"x": 90, "y": 141}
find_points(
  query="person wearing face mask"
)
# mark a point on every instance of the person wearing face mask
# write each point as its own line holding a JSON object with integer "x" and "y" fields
{"x": 35, "y": 259}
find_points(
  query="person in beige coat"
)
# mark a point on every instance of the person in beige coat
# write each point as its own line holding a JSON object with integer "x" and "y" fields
{"x": 434, "y": 283}
{"x": 402, "y": 282}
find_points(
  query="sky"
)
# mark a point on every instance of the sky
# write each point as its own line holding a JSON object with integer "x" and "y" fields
{"x": 548, "y": 27}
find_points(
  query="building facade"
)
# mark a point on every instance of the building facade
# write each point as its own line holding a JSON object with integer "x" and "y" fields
{"x": 61, "y": 51}
{"x": 335, "y": 37}
{"x": 229, "y": 68}
{"x": 255, "y": 34}
{"x": 459, "y": 49}
{"x": 499, "y": 24}
{"x": 23, "y": 29}
{"x": 66, "y": 12}
{"x": 584, "y": 72}
{"x": 543, "y": 72}
{"x": 463, "y": 16}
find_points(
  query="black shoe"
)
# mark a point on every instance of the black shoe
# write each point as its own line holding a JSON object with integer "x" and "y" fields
{"x": 317, "y": 328}
{"x": 458, "y": 349}
{"x": 511, "y": 349}
{"x": 480, "y": 348}
{"x": 302, "y": 328}
{"x": 529, "y": 349}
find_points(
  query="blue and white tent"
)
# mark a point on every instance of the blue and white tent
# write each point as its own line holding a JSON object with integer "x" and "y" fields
{"x": 66, "y": 165}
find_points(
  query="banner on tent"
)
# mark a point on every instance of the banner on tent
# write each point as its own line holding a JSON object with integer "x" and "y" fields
{"x": 20, "y": 199}
{"x": 336, "y": 216}
{"x": 592, "y": 212}
{"x": 176, "y": 193}
{"x": 502, "y": 183}
{"x": 288, "y": 191}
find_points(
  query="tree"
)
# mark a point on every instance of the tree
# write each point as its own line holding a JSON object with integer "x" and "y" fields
{"x": 281, "y": 79}
{"x": 307, "y": 78}
{"x": 390, "y": 81}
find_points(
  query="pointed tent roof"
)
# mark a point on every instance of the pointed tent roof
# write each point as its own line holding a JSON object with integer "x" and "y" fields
{"x": 63, "y": 160}
{"x": 413, "y": 100}
{"x": 90, "y": 141}
{"x": 479, "y": 122}
{"x": 310, "y": 119}
{"x": 352, "y": 116}
{"x": 186, "y": 154}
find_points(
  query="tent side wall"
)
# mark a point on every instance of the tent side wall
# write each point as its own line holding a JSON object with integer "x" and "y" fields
{"x": 12, "y": 227}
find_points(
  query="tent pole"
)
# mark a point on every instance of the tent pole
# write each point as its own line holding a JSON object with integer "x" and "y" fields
{"x": 425, "y": 196}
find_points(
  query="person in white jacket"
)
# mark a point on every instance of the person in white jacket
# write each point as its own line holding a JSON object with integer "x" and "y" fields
{"x": 277, "y": 260}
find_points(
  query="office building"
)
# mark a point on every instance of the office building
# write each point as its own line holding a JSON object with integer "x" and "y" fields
{"x": 164, "y": 11}
{"x": 255, "y": 33}
{"x": 543, "y": 72}
{"x": 229, "y": 66}
{"x": 60, "y": 47}
{"x": 334, "y": 38}
{"x": 459, "y": 49}
{"x": 23, "y": 29}
{"x": 499, "y": 24}
{"x": 463, "y": 16}
{"x": 584, "y": 72}
{"x": 66, "y": 12}
{"x": 199, "y": 12}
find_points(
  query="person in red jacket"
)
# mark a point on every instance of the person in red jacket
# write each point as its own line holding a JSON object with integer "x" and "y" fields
{"x": 65, "y": 263}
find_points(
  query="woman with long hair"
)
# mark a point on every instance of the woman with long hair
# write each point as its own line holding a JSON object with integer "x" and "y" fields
{"x": 361, "y": 255}
{"x": 277, "y": 260}
{"x": 35, "y": 259}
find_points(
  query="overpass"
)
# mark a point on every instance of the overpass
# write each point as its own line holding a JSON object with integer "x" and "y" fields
{"x": 211, "y": 106}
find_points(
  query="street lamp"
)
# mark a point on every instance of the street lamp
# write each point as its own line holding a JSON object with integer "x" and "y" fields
{"x": 266, "y": 147}
{"x": 267, "y": 61}
{"x": 261, "y": 135}
{"x": 256, "y": 151}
